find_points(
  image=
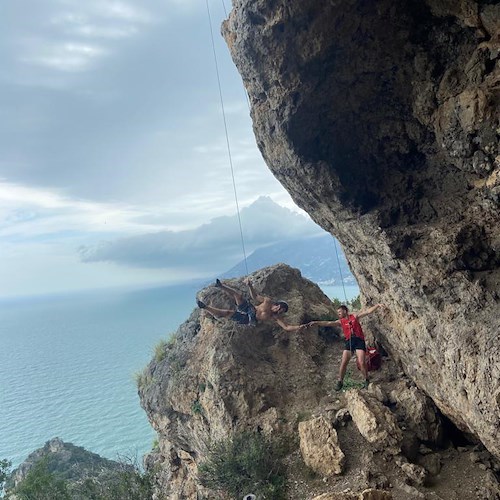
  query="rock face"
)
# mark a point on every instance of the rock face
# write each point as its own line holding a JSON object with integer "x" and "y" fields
{"x": 216, "y": 378}
{"x": 382, "y": 121}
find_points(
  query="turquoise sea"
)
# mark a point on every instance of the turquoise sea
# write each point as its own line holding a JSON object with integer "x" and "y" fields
{"x": 67, "y": 367}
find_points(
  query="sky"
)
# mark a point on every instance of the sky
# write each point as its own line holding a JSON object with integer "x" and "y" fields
{"x": 114, "y": 168}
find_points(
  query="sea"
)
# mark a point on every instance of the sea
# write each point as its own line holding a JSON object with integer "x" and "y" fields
{"x": 67, "y": 366}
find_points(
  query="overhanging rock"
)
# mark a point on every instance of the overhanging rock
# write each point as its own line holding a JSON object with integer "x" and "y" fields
{"x": 381, "y": 119}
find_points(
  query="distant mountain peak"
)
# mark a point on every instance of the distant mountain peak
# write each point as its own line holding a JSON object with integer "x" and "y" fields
{"x": 315, "y": 256}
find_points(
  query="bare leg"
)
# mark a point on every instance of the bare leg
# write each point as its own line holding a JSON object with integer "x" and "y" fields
{"x": 236, "y": 294}
{"x": 346, "y": 356}
{"x": 219, "y": 313}
{"x": 360, "y": 355}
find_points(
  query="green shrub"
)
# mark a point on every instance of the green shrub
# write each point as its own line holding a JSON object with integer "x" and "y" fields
{"x": 41, "y": 484}
{"x": 196, "y": 408}
{"x": 350, "y": 383}
{"x": 125, "y": 483}
{"x": 143, "y": 378}
{"x": 160, "y": 351}
{"x": 156, "y": 444}
{"x": 246, "y": 463}
{"x": 4, "y": 473}
{"x": 355, "y": 303}
{"x": 172, "y": 340}
{"x": 336, "y": 303}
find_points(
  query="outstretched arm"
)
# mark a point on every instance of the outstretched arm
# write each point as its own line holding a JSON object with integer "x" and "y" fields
{"x": 253, "y": 293}
{"x": 324, "y": 323}
{"x": 287, "y": 327}
{"x": 366, "y": 312}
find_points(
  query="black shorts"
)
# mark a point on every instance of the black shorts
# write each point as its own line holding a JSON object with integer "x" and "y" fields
{"x": 245, "y": 314}
{"x": 354, "y": 344}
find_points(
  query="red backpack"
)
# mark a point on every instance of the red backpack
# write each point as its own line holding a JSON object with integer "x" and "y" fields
{"x": 373, "y": 359}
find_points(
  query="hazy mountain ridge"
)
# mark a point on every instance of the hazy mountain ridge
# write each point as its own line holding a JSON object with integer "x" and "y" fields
{"x": 315, "y": 257}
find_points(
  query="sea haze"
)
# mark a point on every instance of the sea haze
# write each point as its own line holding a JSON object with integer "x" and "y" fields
{"x": 67, "y": 367}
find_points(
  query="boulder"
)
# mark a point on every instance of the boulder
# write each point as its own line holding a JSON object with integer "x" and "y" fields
{"x": 415, "y": 473}
{"x": 320, "y": 447}
{"x": 374, "y": 421}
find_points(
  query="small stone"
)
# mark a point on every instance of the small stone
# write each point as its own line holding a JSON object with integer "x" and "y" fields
{"x": 431, "y": 463}
{"x": 424, "y": 450}
{"x": 414, "y": 472}
{"x": 462, "y": 449}
{"x": 342, "y": 417}
{"x": 482, "y": 467}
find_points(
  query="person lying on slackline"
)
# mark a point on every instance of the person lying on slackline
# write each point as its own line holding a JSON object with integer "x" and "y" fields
{"x": 246, "y": 313}
{"x": 354, "y": 339}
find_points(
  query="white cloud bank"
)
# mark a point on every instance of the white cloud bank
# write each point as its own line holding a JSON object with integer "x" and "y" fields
{"x": 212, "y": 247}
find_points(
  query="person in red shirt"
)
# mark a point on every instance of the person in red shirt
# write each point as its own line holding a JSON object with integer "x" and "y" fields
{"x": 354, "y": 339}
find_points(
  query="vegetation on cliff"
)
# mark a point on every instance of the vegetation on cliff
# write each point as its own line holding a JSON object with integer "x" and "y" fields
{"x": 63, "y": 471}
{"x": 246, "y": 462}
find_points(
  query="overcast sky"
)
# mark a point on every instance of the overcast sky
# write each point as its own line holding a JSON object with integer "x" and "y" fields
{"x": 111, "y": 136}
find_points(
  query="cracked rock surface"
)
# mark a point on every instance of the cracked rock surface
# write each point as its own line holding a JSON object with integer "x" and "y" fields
{"x": 382, "y": 121}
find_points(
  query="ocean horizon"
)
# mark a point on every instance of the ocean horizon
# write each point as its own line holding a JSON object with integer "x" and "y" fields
{"x": 68, "y": 361}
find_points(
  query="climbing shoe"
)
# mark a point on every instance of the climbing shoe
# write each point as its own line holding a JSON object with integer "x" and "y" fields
{"x": 200, "y": 304}
{"x": 218, "y": 283}
{"x": 339, "y": 385}
{"x": 366, "y": 383}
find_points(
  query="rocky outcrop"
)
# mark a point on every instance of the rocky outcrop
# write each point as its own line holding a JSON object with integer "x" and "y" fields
{"x": 382, "y": 121}
{"x": 320, "y": 448}
{"x": 215, "y": 379}
{"x": 69, "y": 463}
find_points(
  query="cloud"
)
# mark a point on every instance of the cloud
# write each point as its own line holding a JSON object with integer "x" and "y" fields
{"x": 113, "y": 100}
{"x": 215, "y": 246}
{"x": 111, "y": 130}
{"x": 67, "y": 56}
{"x": 32, "y": 213}
{"x": 73, "y": 36}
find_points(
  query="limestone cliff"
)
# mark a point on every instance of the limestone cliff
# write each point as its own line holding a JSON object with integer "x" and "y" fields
{"x": 215, "y": 378}
{"x": 381, "y": 118}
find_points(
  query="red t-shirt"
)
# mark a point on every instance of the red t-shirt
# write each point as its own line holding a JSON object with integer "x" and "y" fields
{"x": 351, "y": 326}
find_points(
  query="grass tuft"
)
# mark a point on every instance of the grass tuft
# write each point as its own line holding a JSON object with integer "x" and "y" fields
{"x": 246, "y": 463}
